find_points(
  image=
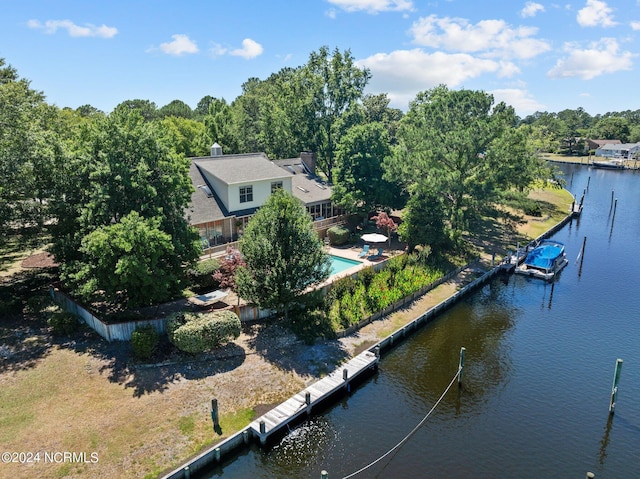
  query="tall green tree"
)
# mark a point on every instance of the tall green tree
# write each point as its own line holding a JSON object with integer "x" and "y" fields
{"x": 176, "y": 108}
{"x": 335, "y": 84}
{"x": 30, "y": 147}
{"x": 283, "y": 254}
{"x": 186, "y": 137}
{"x": 123, "y": 166}
{"x": 612, "y": 128}
{"x": 465, "y": 146}
{"x": 359, "y": 185}
{"x": 129, "y": 263}
{"x": 424, "y": 220}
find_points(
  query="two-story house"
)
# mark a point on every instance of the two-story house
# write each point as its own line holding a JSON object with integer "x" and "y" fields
{"x": 230, "y": 188}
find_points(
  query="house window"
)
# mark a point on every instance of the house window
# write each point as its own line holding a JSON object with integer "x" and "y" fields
{"x": 276, "y": 185}
{"x": 246, "y": 194}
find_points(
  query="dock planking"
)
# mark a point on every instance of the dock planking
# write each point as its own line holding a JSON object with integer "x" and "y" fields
{"x": 288, "y": 411}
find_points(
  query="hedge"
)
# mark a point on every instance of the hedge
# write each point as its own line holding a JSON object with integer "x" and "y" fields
{"x": 196, "y": 333}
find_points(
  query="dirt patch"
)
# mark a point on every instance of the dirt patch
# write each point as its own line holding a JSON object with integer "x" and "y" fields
{"x": 39, "y": 260}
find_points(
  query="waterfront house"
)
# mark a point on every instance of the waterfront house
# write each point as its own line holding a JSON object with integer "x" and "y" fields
{"x": 230, "y": 188}
{"x": 624, "y": 151}
{"x": 591, "y": 144}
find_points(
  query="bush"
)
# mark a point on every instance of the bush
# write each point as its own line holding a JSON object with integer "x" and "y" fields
{"x": 201, "y": 275}
{"x": 196, "y": 333}
{"x": 63, "y": 323}
{"x": 338, "y": 235}
{"x": 144, "y": 341}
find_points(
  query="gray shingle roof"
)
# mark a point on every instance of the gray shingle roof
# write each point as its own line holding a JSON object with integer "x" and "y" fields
{"x": 245, "y": 168}
{"x": 308, "y": 188}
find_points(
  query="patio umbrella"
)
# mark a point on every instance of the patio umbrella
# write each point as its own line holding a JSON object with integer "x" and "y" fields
{"x": 374, "y": 238}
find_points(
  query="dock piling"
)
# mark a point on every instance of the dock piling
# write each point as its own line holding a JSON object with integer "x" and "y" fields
{"x": 187, "y": 472}
{"x": 214, "y": 414}
{"x": 307, "y": 401}
{"x": 614, "y": 388}
{"x": 461, "y": 366}
{"x": 324, "y": 475}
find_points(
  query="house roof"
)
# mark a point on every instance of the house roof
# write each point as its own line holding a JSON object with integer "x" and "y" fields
{"x": 620, "y": 146}
{"x": 206, "y": 206}
{"x": 601, "y": 142}
{"x": 305, "y": 186}
{"x": 244, "y": 168}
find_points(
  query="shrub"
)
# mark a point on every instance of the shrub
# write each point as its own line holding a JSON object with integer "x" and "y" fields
{"x": 63, "y": 323}
{"x": 196, "y": 333}
{"x": 201, "y": 275}
{"x": 338, "y": 235}
{"x": 144, "y": 341}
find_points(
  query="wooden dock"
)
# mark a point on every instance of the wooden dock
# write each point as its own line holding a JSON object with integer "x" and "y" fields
{"x": 302, "y": 403}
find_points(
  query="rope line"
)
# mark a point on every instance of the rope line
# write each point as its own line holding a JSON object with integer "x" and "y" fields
{"x": 413, "y": 431}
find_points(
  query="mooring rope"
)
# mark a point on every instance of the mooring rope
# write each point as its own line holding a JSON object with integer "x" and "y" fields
{"x": 413, "y": 431}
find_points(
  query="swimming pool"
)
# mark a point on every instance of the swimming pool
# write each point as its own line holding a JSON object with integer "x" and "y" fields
{"x": 339, "y": 264}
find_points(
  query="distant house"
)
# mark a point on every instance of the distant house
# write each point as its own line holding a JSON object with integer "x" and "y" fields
{"x": 230, "y": 188}
{"x": 624, "y": 151}
{"x": 593, "y": 144}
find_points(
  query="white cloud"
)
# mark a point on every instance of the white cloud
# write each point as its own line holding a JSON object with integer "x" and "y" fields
{"x": 635, "y": 25}
{"x": 491, "y": 38}
{"x": 596, "y": 13}
{"x": 531, "y": 9}
{"x": 601, "y": 57}
{"x": 180, "y": 45}
{"x": 519, "y": 99}
{"x": 217, "y": 50}
{"x": 250, "y": 49}
{"x": 373, "y": 6}
{"x": 403, "y": 73}
{"x": 88, "y": 30}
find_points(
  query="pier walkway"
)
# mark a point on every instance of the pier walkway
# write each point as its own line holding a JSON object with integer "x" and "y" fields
{"x": 303, "y": 402}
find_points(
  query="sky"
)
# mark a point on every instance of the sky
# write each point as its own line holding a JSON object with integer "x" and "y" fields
{"x": 533, "y": 55}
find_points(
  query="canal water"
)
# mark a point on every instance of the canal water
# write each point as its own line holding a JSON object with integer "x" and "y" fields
{"x": 537, "y": 381}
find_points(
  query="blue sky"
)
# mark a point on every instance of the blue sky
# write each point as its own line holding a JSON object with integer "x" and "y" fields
{"x": 534, "y": 55}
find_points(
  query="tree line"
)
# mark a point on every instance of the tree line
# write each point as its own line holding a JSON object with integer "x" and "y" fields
{"x": 104, "y": 185}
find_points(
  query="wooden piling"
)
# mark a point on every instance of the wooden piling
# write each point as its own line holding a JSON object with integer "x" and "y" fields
{"x": 214, "y": 413}
{"x": 461, "y": 366}
{"x": 614, "y": 388}
{"x": 324, "y": 475}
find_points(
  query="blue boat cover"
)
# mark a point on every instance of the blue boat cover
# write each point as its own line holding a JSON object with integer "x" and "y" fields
{"x": 543, "y": 256}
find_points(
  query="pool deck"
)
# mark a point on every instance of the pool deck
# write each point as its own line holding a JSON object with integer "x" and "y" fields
{"x": 351, "y": 252}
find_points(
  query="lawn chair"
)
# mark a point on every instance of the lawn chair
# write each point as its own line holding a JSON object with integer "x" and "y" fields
{"x": 364, "y": 252}
{"x": 377, "y": 255}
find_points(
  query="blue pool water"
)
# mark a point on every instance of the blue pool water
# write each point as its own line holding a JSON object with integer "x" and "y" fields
{"x": 339, "y": 264}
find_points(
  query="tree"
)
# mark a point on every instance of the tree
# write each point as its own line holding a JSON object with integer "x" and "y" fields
{"x": 186, "y": 137}
{"x": 130, "y": 263}
{"x": 176, "y": 108}
{"x": 423, "y": 222}
{"x": 283, "y": 254}
{"x": 335, "y": 84}
{"x": 226, "y": 272}
{"x": 146, "y": 108}
{"x": 612, "y": 128}
{"x": 123, "y": 165}
{"x": 384, "y": 222}
{"x": 30, "y": 146}
{"x": 467, "y": 148}
{"x": 359, "y": 185}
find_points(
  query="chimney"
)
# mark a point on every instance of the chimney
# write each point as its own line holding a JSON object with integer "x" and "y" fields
{"x": 309, "y": 160}
{"x": 216, "y": 150}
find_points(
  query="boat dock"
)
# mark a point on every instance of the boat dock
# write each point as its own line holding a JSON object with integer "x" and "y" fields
{"x": 302, "y": 403}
